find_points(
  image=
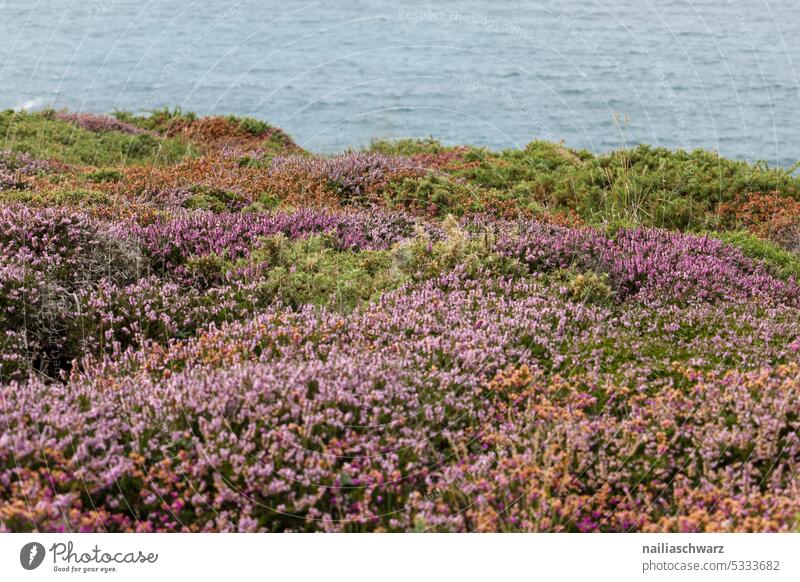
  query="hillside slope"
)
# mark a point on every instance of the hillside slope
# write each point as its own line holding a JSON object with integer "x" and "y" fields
{"x": 204, "y": 327}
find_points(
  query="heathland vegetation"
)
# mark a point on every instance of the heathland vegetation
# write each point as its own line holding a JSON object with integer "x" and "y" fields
{"x": 204, "y": 327}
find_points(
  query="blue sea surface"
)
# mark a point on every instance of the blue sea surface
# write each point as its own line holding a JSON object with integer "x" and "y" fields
{"x": 716, "y": 74}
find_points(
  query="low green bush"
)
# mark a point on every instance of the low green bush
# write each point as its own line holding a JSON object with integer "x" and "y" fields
{"x": 213, "y": 199}
{"x": 104, "y": 175}
{"x": 83, "y": 198}
{"x": 315, "y": 271}
{"x": 436, "y": 195}
{"x": 407, "y": 147}
{"x": 643, "y": 185}
{"x": 584, "y": 286}
{"x": 43, "y": 136}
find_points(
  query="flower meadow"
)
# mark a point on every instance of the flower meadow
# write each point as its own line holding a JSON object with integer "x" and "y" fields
{"x": 249, "y": 337}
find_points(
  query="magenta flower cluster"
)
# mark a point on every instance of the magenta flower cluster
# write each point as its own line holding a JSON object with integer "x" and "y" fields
{"x": 496, "y": 411}
{"x": 350, "y": 175}
{"x": 469, "y": 400}
{"x": 71, "y": 285}
{"x": 15, "y": 167}
{"x": 652, "y": 264}
{"x": 181, "y": 236}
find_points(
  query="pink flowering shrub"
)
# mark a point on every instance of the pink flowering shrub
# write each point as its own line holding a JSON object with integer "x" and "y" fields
{"x": 205, "y": 328}
{"x": 16, "y": 168}
{"x": 201, "y": 233}
{"x": 505, "y": 407}
{"x": 72, "y": 285}
{"x": 655, "y": 265}
{"x": 508, "y": 376}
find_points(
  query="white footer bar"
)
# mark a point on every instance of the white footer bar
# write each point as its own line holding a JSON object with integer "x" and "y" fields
{"x": 350, "y": 557}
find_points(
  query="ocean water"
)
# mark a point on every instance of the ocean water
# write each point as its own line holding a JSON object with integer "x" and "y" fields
{"x": 716, "y": 74}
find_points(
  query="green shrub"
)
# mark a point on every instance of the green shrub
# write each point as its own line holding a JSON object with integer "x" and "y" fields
{"x": 670, "y": 189}
{"x": 420, "y": 258}
{"x": 207, "y": 270}
{"x": 213, "y": 199}
{"x": 315, "y": 271}
{"x": 267, "y": 202}
{"x": 542, "y": 163}
{"x": 43, "y": 136}
{"x": 434, "y": 194}
{"x": 644, "y": 185}
{"x": 407, "y": 147}
{"x": 66, "y": 197}
{"x": 250, "y": 125}
{"x": 104, "y": 175}
{"x": 586, "y": 287}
